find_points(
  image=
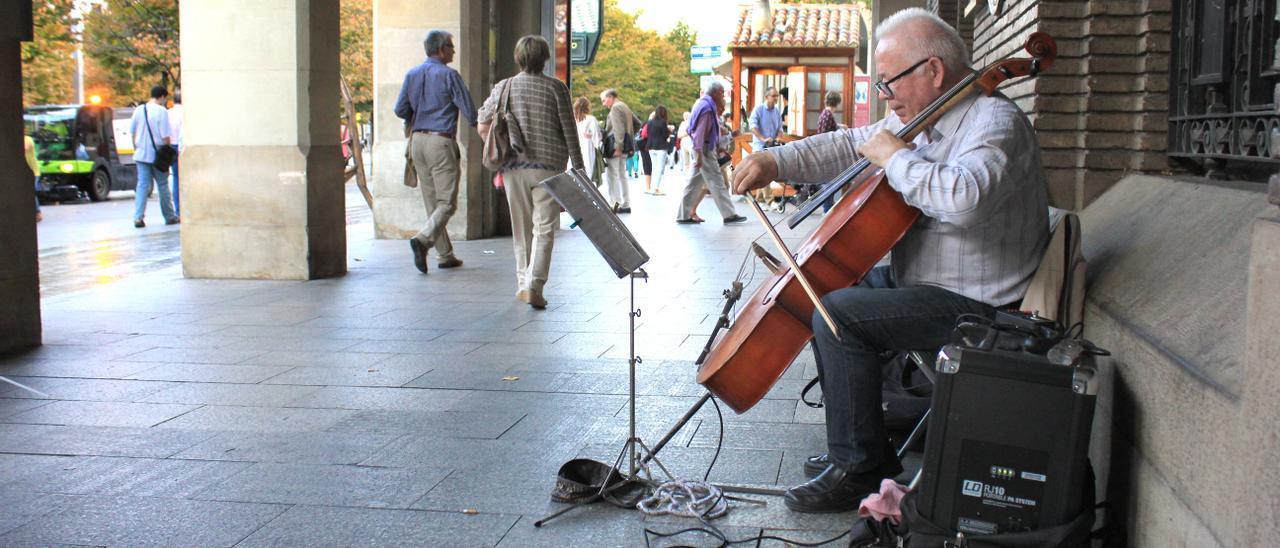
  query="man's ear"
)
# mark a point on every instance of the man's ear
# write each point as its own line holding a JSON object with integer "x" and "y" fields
{"x": 939, "y": 72}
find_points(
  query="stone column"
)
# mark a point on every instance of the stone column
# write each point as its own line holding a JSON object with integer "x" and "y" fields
{"x": 19, "y": 267}
{"x": 399, "y": 28}
{"x": 262, "y": 169}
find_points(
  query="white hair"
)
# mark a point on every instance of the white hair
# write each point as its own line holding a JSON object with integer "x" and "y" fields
{"x": 939, "y": 40}
{"x": 712, "y": 86}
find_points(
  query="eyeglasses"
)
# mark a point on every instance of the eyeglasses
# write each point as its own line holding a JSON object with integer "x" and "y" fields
{"x": 883, "y": 85}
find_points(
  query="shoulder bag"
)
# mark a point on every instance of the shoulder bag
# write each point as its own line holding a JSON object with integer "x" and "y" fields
{"x": 504, "y": 141}
{"x": 166, "y": 154}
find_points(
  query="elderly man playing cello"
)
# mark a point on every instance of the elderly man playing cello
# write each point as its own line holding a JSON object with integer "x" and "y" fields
{"x": 976, "y": 177}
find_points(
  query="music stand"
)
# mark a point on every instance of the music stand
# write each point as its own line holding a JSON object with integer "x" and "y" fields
{"x": 615, "y": 243}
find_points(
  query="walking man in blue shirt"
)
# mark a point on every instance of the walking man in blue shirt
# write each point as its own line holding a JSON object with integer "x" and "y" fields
{"x": 429, "y": 102}
{"x": 766, "y": 120}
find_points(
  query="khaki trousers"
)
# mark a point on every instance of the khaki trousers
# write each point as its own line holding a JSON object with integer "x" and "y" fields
{"x": 435, "y": 157}
{"x": 615, "y": 175}
{"x": 534, "y": 216}
{"x": 710, "y": 176}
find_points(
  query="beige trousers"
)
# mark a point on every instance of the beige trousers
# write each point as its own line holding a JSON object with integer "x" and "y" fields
{"x": 708, "y": 176}
{"x": 436, "y": 159}
{"x": 534, "y": 216}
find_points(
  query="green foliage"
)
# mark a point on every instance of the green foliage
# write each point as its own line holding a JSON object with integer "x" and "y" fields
{"x": 647, "y": 69}
{"x": 136, "y": 42}
{"x": 48, "y": 62}
{"x": 356, "y": 50}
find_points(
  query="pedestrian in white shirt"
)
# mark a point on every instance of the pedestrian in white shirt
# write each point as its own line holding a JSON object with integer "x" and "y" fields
{"x": 150, "y": 129}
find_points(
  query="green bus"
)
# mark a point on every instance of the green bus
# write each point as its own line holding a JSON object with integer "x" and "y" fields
{"x": 82, "y": 150}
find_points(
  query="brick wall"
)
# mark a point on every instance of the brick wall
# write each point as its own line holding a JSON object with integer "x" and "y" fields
{"x": 1101, "y": 111}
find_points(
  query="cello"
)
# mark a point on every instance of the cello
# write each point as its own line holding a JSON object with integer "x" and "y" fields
{"x": 745, "y": 361}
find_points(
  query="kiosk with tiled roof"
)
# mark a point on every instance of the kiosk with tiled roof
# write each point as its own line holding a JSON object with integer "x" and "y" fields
{"x": 809, "y": 49}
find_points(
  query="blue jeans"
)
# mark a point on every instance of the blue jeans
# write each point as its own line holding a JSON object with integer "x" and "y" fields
{"x": 147, "y": 173}
{"x": 874, "y": 317}
{"x": 177, "y": 206}
{"x": 37, "y": 196}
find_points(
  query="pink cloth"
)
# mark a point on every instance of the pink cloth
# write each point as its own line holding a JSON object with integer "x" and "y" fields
{"x": 885, "y": 504}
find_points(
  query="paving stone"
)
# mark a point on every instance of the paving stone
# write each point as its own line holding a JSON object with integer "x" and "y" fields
{"x": 192, "y": 355}
{"x": 604, "y": 525}
{"x": 11, "y": 406}
{"x": 498, "y": 336}
{"x": 96, "y": 440}
{"x": 433, "y": 451}
{"x": 357, "y": 397}
{"x": 138, "y": 521}
{"x": 260, "y": 315}
{"x": 292, "y": 447}
{"x": 144, "y": 342}
{"x": 80, "y": 369}
{"x": 289, "y": 343}
{"x": 326, "y": 526}
{"x": 204, "y": 393}
{"x": 17, "y": 468}
{"x": 209, "y": 373}
{"x": 455, "y": 424}
{"x": 659, "y": 408}
{"x": 90, "y": 413}
{"x": 83, "y": 389}
{"x": 84, "y": 337}
{"x": 495, "y": 490}
{"x": 542, "y": 403}
{"x": 171, "y": 478}
{"x": 258, "y": 419}
{"x": 593, "y": 429}
{"x": 329, "y": 485}
{"x": 21, "y": 508}
{"x": 758, "y": 434}
{"x": 319, "y": 358}
{"x": 363, "y": 375}
{"x": 164, "y": 326}
{"x": 505, "y": 380}
{"x": 377, "y": 334}
{"x": 66, "y": 353}
{"x": 433, "y": 347}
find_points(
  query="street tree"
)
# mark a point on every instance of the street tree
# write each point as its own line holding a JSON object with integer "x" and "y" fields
{"x": 647, "y": 69}
{"x": 136, "y": 43}
{"x": 356, "y": 49}
{"x": 48, "y": 62}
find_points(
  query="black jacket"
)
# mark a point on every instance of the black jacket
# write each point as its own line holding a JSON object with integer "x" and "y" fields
{"x": 659, "y": 135}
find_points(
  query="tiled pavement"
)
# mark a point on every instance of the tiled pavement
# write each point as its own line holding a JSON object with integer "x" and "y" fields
{"x": 385, "y": 407}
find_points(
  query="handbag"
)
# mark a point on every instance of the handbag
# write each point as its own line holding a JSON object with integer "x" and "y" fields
{"x": 166, "y": 154}
{"x": 504, "y": 141}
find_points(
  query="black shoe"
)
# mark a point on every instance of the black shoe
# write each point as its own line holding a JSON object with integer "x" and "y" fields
{"x": 419, "y": 255}
{"x": 624, "y": 210}
{"x": 451, "y": 262}
{"x": 835, "y": 490}
{"x": 173, "y": 221}
{"x": 686, "y": 221}
{"x": 734, "y": 219}
{"x": 137, "y": 223}
{"x": 815, "y": 465}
